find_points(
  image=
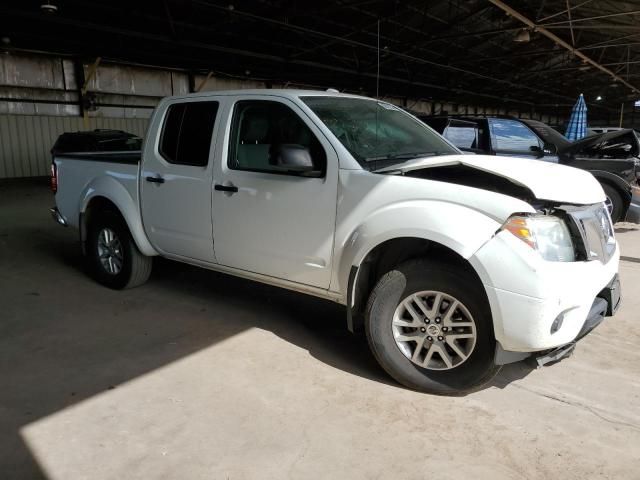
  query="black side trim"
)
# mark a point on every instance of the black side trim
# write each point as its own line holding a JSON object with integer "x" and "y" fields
{"x": 350, "y": 284}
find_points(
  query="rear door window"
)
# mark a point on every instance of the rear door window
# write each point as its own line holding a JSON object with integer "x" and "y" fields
{"x": 513, "y": 136}
{"x": 187, "y": 131}
{"x": 462, "y": 135}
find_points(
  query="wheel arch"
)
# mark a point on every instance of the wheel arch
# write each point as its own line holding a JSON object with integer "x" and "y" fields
{"x": 613, "y": 180}
{"x": 106, "y": 192}
{"x": 384, "y": 256}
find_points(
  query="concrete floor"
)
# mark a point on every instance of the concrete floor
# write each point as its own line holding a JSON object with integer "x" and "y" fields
{"x": 197, "y": 375}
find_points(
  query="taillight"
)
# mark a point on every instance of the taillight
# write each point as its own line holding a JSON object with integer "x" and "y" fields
{"x": 54, "y": 178}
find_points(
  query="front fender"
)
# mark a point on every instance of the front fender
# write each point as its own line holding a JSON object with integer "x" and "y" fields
{"x": 457, "y": 227}
{"x": 622, "y": 185}
{"x": 115, "y": 192}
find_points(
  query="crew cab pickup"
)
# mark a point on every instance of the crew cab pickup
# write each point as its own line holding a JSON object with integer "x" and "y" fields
{"x": 613, "y": 157}
{"x": 453, "y": 264}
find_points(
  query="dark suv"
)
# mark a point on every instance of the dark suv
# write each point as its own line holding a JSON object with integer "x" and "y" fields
{"x": 613, "y": 157}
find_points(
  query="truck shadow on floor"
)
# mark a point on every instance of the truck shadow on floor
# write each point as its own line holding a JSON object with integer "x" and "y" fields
{"x": 317, "y": 325}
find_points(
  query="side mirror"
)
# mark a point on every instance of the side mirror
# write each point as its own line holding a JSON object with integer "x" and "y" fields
{"x": 294, "y": 158}
{"x": 537, "y": 151}
{"x": 550, "y": 149}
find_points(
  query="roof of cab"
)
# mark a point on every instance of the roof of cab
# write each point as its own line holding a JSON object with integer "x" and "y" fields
{"x": 278, "y": 92}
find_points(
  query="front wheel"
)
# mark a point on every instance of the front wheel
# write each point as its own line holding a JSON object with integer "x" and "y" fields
{"x": 429, "y": 326}
{"x": 114, "y": 258}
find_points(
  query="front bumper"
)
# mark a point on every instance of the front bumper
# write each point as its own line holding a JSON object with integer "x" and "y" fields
{"x": 633, "y": 213}
{"x": 539, "y": 306}
{"x": 605, "y": 305}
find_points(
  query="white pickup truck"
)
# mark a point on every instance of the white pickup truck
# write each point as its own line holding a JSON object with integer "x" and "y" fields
{"x": 454, "y": 264}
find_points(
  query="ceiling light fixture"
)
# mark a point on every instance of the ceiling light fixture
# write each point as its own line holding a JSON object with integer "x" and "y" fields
{"x": 522, "y": 36}
{"x": 598, "y": 98}
{"x": 48, "y": 8}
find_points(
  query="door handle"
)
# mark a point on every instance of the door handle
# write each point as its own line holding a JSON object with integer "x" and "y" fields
{"x": 226, "y": 188}
{"x": 157, "y": 179}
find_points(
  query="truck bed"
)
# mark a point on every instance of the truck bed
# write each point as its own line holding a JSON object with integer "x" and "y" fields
{"x": 79, "y": 173}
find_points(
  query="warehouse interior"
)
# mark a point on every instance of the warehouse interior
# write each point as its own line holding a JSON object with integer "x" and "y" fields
{"x": 148, "y": 383}
{"x": 88, "y": 60}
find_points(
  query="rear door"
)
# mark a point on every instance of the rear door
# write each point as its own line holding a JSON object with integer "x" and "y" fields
{"x": 265, "y": 220}
{"x": 176, "y": 179}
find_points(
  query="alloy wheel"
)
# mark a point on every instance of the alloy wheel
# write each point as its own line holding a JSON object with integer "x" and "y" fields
{"x": 434, "y": 330}
{"x": 110, "y": 251}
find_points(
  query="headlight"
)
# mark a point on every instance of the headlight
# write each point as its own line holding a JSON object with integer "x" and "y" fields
{"x": 547, "y": 234}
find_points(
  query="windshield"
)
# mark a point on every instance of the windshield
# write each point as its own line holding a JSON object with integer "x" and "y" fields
{"x": 377, "y": 134}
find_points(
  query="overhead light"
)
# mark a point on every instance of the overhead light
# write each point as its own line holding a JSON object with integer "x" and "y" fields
{"x": 48, "y": 8}
{"x": 598, "y": 98}
{"x": 523, "y": 36}
{"x": 6, "y": 43}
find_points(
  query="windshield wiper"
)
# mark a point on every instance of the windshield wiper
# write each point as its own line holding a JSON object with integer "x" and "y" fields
{"x": 404, "y": 156}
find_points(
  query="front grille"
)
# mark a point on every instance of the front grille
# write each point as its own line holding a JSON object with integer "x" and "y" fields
{"x": 596, "y": 231}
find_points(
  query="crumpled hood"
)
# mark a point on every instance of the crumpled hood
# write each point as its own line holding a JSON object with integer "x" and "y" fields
{"x": 590, "y": 141}
{"x": 547, "y": 181}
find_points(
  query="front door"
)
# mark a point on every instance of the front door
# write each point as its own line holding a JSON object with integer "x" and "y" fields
{"x": 176, "y": 181}
{"x": 270, "y": 221}
{"x": 511, "y": 138}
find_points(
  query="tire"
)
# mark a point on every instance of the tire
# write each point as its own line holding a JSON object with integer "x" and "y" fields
{"x": 109, "y": 232}
{"x": 427, "y": 278}
{"x": 614, "y": 202}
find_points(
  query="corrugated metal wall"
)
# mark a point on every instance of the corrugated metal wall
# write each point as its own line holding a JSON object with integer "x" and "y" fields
{"x": 25, "y": 140}
{"x": 41, "y": 98}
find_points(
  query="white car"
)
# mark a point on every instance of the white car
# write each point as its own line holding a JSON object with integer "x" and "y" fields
{"x": 454, "y": 264}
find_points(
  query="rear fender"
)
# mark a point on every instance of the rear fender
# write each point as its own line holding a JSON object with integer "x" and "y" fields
{"x": 109, "y": 188}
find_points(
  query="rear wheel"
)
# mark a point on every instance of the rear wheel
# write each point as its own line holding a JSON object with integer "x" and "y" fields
{"x": 429, "y": 326}
{"x": 613, "y": 202}
{"x": 114, "y": 258}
